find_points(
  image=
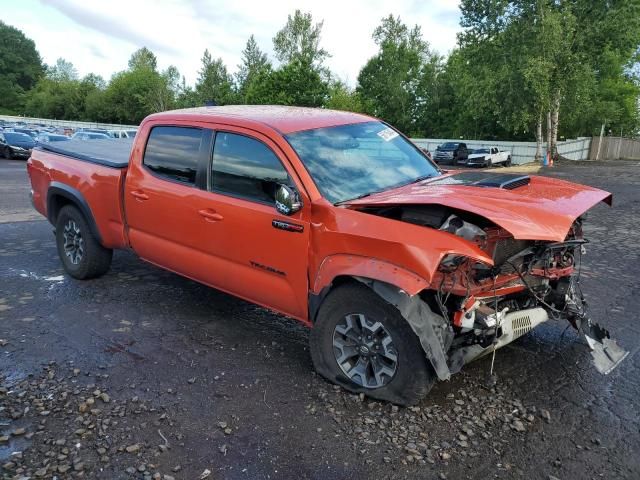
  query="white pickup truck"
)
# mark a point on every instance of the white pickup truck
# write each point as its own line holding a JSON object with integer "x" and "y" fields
{"x": 486, "y": 157}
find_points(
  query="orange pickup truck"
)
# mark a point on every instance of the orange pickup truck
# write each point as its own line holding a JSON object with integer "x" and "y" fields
{"x": 404, "y": 272}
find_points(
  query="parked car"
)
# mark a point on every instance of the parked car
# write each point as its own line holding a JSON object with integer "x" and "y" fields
{"x": 451, "y": 153}
{"x": 122, "y": 133}
{"x": 26, "y": 131}
{"x": 51, "y": 137}
{"x": 16, "y": 145}
{"x": 404, "y": 273}
{"x": 93, "y": 130}
{"x": 86, "y": 135}
{"x": 487, "y": 157}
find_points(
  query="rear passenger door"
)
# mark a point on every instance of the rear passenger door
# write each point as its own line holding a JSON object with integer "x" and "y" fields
{"x": 162, "y": 194}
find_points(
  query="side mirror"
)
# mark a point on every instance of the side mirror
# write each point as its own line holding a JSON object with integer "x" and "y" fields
{"x": 288, "y": 201}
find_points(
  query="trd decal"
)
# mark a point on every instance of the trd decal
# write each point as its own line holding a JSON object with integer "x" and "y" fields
{"x": 267, "y": 268}
{"x": 289, "y": 227}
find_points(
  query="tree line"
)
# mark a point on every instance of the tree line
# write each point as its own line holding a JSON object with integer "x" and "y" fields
{"x": 520, "y": 70}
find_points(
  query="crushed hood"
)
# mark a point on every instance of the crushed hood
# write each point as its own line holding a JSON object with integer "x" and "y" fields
{"x": 543, "y": 208}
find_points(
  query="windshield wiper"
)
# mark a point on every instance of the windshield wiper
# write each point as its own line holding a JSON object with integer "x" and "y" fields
{"x": 421, "y": 178}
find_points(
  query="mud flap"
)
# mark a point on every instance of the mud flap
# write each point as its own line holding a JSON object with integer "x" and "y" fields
{"x": 606, "y": 353}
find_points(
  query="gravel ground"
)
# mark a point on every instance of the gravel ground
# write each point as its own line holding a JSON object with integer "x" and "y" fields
{"x": 144, "y": 374}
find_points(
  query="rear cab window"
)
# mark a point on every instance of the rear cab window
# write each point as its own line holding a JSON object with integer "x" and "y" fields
{"x": 245, "y": 167}
{"x": 173, "y": 153}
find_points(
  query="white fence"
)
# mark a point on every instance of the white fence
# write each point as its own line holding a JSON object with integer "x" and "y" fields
{"x": 521, "y": 152}
{"x": 67, "y": 123}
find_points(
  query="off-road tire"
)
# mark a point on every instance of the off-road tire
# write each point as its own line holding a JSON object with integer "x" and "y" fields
{"x": 413, "y": 377}
{"x": 95, "y": 260}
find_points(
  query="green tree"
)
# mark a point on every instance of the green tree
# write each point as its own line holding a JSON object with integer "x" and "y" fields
{"x": 214, "y": 83}
{"x": 341, "y": 97}
{"x": 143, "y": 58}
{"x": 301, "y": 79}
{"x": 139, "y": 91}
{"x": 186, "y": 97}
{"x": 395, "y": 83}
{"x": 292, "y": 84}
{"x": 20, "y": 68}
{"x": 299, "y": 40}
{"x": 549, "y": 61}
{"x": 62, "y": 71}
{"x": 254, "y": 61}
{"x": 57, "y": 95}
{"x": 130, "y": 95}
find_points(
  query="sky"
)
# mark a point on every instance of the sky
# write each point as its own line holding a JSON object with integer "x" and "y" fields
{"x": 99, "y": 36}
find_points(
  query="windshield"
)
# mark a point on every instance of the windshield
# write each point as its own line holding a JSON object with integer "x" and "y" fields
{"x": 449, "y": 146}
{"x": 351, "y": 161}
{"x": 18, "y": 137}
{"x": 481, "y": 150}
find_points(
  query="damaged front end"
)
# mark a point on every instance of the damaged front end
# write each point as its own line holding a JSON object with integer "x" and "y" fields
{"x": 530, "y": 282}
{"x": 480, "y": 307}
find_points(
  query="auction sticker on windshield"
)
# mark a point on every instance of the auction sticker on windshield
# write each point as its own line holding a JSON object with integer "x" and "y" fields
{"x": 387, "y": 134}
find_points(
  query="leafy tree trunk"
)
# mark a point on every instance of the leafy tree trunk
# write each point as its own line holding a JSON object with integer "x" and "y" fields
{"x": 548, "y": 134}
{"x": 555, "y": 114}
{"x": 539, "y": 139}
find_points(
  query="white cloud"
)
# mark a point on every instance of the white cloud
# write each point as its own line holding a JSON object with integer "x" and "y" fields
{"x": 100, "y": 36}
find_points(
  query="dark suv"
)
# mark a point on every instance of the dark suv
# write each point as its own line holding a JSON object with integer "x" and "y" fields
{"x": 451, "y": 152}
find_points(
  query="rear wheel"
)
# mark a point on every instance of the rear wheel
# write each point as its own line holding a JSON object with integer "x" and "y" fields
{"x": 6, "y": 153}
{"x": 81, "y": 254}
{"x": 508, "y": 162}
{"x": 363, "y": 344}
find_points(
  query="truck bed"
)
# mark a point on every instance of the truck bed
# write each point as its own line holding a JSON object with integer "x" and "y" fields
{"x": 92, "y": 174}
{"x": 110, "y": 153}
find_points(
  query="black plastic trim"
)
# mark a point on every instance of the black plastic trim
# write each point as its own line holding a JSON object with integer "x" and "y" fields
{"x": 114, "y": 153}
{"x": 76, "y": 198}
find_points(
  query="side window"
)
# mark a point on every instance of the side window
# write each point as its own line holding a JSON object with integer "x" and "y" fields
{"x": 172, "y": 152}
{"x": 246, "y": 167}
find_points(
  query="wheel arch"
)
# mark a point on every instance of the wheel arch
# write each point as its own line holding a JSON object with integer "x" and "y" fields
{"x": 60, "y": 195}
{"x": 433, "y": 331}
{"x": 341, "y": 268}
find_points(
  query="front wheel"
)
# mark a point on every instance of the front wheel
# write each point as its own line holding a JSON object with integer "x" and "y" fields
{"x": 81, "y": 254}
{"x": 6, "y": 153}
{"x": 362, "y": 343}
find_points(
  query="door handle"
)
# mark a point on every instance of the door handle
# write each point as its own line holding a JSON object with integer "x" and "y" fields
{"x": 210, "y": 215}
{"x": 140, "y": 195}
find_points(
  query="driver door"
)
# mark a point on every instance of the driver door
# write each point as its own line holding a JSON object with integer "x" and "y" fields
{"x": 263, "y": 255}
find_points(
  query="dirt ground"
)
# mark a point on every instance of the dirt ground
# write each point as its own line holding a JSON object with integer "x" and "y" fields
{"x": 144, "y": 374}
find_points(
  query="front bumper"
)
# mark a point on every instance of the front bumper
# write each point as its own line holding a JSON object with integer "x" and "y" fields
{"x": 20, "y": 153}
{"x": 444, "y": 159}
{"x": 472, "y": 162}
